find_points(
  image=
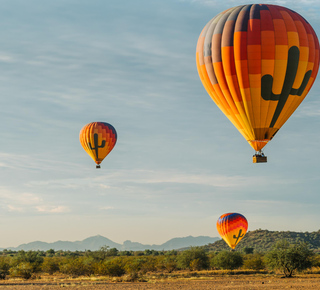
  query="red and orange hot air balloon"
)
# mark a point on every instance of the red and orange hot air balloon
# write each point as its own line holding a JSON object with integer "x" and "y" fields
{"x": 258, "y": 62}
{"x": 98, "y": 139}
{"x": 232, "y": 227}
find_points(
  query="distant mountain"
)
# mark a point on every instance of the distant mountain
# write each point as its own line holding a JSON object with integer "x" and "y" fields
{"x": 96, "y": 242}
{"x": 173, "y": 244}
{"x": 263, "y": 240}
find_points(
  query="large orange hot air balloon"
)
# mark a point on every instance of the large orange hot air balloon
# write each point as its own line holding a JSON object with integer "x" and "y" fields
{"x": 98, "y": 139}
{"x": 232, "y": 227}
{"x": 258, "y": 62}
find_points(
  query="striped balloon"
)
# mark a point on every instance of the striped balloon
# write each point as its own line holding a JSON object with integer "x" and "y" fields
{"x": 258, "y": 62}
{"x": 232, "y": 227}
{"x": 98, "y": 139}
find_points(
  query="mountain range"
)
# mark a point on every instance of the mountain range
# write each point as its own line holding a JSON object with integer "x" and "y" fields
{"x": 96, "y": 242}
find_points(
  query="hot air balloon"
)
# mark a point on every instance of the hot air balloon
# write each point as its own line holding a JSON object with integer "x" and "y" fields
{"x": 258, "y": 62}
{"x": 98, "y": 139}
{"x": 232, "y": 227}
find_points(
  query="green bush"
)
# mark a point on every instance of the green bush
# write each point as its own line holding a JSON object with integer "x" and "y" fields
{"x": 193, "y": 259}
{"x": 113, "y": 267}
{"x": 134, "y": 264}
{"x": 23, "y": 270}
{"x": 316, "y": 260}
{"x": 50, "y": 265}
{"x": 168, "y": 263}
{"x": 227, "y": 260}
{"x": 80, "y": 266}
{"x": 254, "y": 262}
{"x": 289, "y": 257}
{"x": 248, "y": 250}
{"x": 113, "y": 252}
{"x": 34, "y": 258}
{"x": 4, "y": 267}
{"x": 50, "y": 253}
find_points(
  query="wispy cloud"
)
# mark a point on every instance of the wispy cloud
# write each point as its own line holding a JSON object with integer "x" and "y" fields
{"x": 27, "y": 202}
{"x": 52, "y": 209}
{"x": 12, "y": 208}
{"x": 6, "y": 58}
{"x": 139, "y": 181}
{"x": 107, "y": 208}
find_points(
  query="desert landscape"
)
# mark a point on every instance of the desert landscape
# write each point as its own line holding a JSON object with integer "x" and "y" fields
{"x": 256, "y": 281}
{"x": 308, "y": 281}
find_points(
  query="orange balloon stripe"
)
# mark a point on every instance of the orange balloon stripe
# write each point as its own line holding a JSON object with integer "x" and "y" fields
{"x": 268, "y": 55}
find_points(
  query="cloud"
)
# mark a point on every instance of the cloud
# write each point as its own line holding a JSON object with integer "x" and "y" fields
{"x": 27, "y": 202}
{"x": 6, "y": 58}
{"x": 107, "y": 208}
{"x": 22, "y": 199}
{"x": 12, "y": 208}
{"x": 52, "y": 209}
{"x": 139, "y": 179}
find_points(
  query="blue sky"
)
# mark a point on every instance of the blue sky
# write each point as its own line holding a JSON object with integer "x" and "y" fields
{"x": 178, "y": 163}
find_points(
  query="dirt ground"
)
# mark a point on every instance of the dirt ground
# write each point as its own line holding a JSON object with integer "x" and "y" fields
{"x": 218, "y": 282}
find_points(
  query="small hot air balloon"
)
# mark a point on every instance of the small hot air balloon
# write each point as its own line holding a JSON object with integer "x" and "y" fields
{"x": 258, "y": 62}
{"x": 232, "y": 227}
{"x": 98, "y": 139}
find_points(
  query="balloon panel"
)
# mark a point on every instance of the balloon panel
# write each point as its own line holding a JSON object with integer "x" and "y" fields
{"x": 98, "y": 139}
{"x": 258, "y": 62}
{"x": 232, "y": 227}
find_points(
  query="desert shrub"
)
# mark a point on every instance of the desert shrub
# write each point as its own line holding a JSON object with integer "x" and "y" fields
{"x": 135, "y": 265}
{"x": 289, "y": 257}
{"x": 193, "y": 259}
{"x": 99, "y": 255}
{"x": 50, "y": 265}
{"x": 113, "y": 267}
{"x": 316, "y": 260}
{"x": 227, "y": 260}
{"x": 171, "y": 253}
{"x": 248, "y": 250}
{"x": 168, "y": 263}
{"x": 254, "y": 262}
{"x": 80, "y": 266}
{"x": 50, "y": 253}
{"x": 23, "y": 270}
{"x": 125, "y": 253}
{"x": 149, "y": 264}
{"x": 148, "y": 252}
{"x": 33, "y": 258}
{"x": 138, "y": 253}
{"x": 113, "y": 252}
{"x": 4, "y": 267}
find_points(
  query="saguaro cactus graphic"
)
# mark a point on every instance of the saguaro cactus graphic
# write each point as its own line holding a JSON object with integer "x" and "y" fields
{"x": 238, "y": 237}
{"x": 287, "y": 89}
{"x": 96, "y": 146}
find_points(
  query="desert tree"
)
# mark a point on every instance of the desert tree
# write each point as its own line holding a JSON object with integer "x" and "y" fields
{"x": 289, "y": 258}
{"x": 227, "y": 260}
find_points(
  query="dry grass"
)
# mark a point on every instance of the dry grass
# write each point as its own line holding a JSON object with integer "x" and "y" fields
{"x": 178, "y": 280}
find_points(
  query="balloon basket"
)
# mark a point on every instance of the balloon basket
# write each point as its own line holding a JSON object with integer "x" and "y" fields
{"x": 98, "y": 166}
{"x": 257, "y": 158}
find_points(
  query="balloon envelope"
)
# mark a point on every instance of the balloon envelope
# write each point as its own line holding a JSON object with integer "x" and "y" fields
{"x": 232, "y": 227}
{"x": 98, "y": 139}
{"x": 258, "y": 62}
